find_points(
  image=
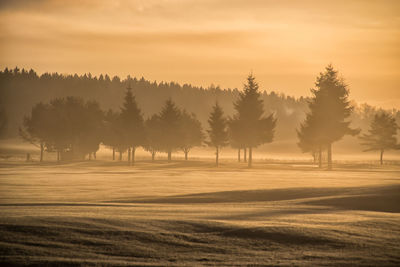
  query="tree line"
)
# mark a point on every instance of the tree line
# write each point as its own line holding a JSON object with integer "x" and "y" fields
{"x": 21, "y": 89}
{"x": 75, "y": 128}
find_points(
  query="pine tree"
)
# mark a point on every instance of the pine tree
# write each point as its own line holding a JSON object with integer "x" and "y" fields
{"x": 217, "y": 132}
{"x": 381, "y": 135}
{"x": 171, "y": 138}
{"x": 132, "y": 124}
{"x": 329, "y": 111}
{"x": 258, "y": 129}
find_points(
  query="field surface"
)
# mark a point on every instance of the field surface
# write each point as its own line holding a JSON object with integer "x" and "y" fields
{"x": 191, "y": 213}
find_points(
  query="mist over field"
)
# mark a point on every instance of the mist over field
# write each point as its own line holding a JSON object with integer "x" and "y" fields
{"x": 199, "y": 133}
{"x": 190, "y": 213}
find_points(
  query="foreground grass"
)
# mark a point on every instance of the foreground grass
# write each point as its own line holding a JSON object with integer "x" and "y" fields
{"x": 101, "y": 213}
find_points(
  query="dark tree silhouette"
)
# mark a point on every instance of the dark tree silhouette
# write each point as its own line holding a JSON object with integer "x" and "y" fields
{"x": 154, "y": 134}
{"x": 329, "y": 110}
{"x": 35, "y": 128}
{"x": 110, "y": 138}
{"x": 113, "y": 134}
{"x": 20, "y": 91}
{"x": 91, "y": 136}
{"x": 132, "y": 125}
{"x": 382, "y": 134}
{"x": 217, "y": 132}
{"x": 191, "y": 130}
{"x": 69, "y": 126}
{"x": 3, "y": 121}
{"x": 170, "y": 117}
{"x": 309, "y": 140}
{"x": 236, "y": 136}
{"x": 250, "y": 116}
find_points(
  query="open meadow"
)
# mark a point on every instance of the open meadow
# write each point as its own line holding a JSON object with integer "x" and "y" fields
{"x": 191, "y": 213}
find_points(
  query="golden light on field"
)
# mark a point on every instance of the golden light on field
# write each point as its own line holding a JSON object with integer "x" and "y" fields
{"x": 286, "y": 43}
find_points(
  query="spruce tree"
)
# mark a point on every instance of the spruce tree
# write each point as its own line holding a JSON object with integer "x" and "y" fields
{"x": 333, "y": 108}
{"x": 217, "y": 132}
{"x": 132, "y": 124}
{"x": 329, "y": 112}
{"x": 257, "y": 128}
{"x": 171, "y": 138}
{"x": 382, "y": 134}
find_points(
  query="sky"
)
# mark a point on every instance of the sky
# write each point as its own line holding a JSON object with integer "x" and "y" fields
{"x": 285, "y": 44}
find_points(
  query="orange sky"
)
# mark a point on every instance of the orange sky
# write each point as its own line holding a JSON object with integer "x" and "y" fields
{"x": 285, "y": 43}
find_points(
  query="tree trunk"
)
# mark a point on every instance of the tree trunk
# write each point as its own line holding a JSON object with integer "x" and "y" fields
{"x": 120, "y": 155}
{"x": 58, "y": 156}
{"x": 216, "y": 156}
{"x": 41, "y": 151}
{"x": 330, "y": 156}
{"x": 94, "y": 155}
{"x": 153, "y": 155}
{"x": 169, "y": 155}
{"x": 113, "y": 153}
{"x": 186, "y": 154}
{"x": 250, "y": 157}
{"x": 133, "y": 155}
{"x": 245, "y": 154}
{"x": 129, "y": 156}
{"x": 320, "y": 157}
{"x": 238, "y": 154}
{"x": 382, "y": 156}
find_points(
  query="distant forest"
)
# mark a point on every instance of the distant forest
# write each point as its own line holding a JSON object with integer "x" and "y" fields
{"x": 21, "y": 89}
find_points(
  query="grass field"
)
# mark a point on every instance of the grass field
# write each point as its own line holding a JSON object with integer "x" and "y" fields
{"x": 191, "y": 213}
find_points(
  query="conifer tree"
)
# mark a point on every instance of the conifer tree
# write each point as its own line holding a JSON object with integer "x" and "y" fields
{"x": 332, "y": 109}
{"x": 258, "y": 129}
{"x": 329, "y": 112}
{"x": 132, "y": 124}
{"x": 171, "y": 138}
{"x": 382, "y": 134}
{"x": 217, "y": 132}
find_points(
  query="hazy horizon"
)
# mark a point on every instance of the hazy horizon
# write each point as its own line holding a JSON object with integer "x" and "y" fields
{"x": 286, "y": 44}
{"x": 104, "y": 171}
